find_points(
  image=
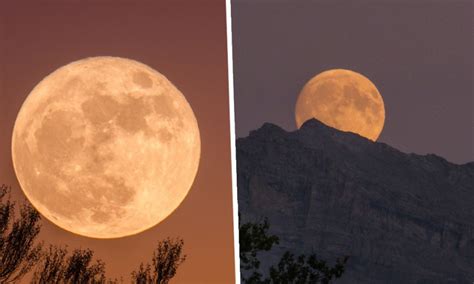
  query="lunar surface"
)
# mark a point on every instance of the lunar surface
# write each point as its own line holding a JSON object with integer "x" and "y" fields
{"x": 106, "y": 147}
{"x": 344, "y": 100}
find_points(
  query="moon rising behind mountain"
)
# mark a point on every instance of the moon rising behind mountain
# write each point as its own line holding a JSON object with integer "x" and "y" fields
{"x": 106, "y": 147}
{"x": 344, "y": 100}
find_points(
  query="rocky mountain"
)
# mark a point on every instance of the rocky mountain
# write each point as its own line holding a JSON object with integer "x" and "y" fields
{"x": 402, "y": 218}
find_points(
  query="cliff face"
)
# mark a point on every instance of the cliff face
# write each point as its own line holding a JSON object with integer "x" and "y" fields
{"x": 402, "y": 218}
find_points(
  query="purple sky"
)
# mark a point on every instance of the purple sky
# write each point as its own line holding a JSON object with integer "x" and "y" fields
{"x": 419, "y": 55}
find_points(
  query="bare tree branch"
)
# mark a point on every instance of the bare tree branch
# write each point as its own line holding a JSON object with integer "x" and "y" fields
{"x": 18, "y": 251}
{"x": 167, "y": 257}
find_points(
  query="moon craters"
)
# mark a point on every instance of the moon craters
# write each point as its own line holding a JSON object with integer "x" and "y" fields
{"x": 59, "y": 130}
{"x": 342, "y": 99}
{"x": 142, "y": 79}
{"x": 106, "y": 147}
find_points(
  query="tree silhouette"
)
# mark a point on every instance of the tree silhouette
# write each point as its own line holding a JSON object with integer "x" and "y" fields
{"x": 19, "y": 254}
{"x": 304, "y": 269}
{"x": 18, "y": 251}
{"x": 51, "y": 268}
{"x": 166, "y": 259}
{"x": 79, "y": 267}
{"x": 254, "y": 238}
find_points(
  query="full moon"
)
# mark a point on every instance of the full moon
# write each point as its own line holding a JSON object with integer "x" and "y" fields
{"x": 344, "y": 100}
{"x": 106, "y": 147}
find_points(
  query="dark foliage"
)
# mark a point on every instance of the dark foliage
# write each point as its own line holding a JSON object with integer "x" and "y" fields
{"x": 79, "y": 267}
{"x": 166, "y": 259}
{"x": 302, "y": 269}
{"x": 19, "y": 254}
{"x": 254, "y": 238}
{"x": 18, "y": 251}
{"x": 143, "y": 275}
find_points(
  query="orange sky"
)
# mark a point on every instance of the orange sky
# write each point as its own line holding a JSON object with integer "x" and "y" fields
{"x": 185, "y": 41}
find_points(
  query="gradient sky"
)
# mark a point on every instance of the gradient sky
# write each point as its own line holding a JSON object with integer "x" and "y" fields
{"x": 185, "y": 41}
{"x": 417, "y": 53}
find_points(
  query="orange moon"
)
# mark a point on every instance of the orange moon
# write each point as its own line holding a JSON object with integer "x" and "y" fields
{"x": 342, "y": 99}
{"x": 106, "y": 147}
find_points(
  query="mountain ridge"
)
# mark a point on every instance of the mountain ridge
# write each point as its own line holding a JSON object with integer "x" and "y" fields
{"x": 338, "y": 193}
{"x": 314, "y": 121}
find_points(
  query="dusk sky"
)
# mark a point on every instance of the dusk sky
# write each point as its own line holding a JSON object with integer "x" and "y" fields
{"x": 417, "y": 53}
{"x": 185, "y": 41}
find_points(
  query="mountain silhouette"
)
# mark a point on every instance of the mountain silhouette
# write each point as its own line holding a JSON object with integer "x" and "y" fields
{"x": 402, "y": 218}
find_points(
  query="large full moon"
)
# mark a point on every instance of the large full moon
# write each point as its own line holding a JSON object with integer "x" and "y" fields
{"x": 106, "y": 147}
{"x": 344, "y": 100}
